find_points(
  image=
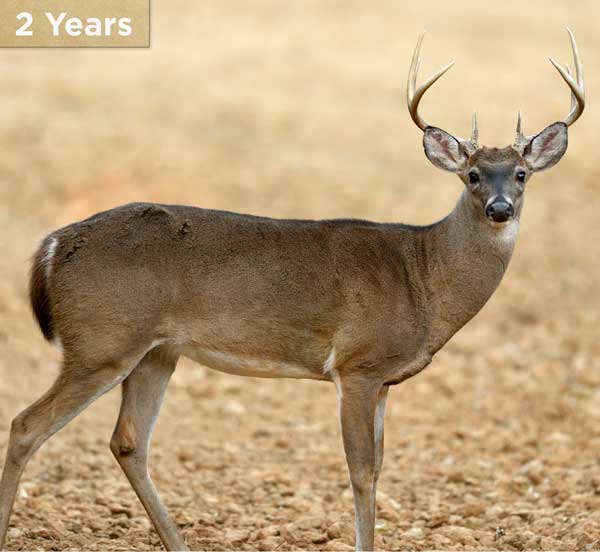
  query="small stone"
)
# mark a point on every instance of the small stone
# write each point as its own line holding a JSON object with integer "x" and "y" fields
{"x": 456, "y": 476}
{"x": 46, "y": 534}
{"x": 473, "y": 509}
{"x": 15, "y": 533}
{"x": 234, "y": 407}
{"x": 414, "y": 533}
{"x": 525, "y": 515}
{"x": 534, "y": 471}
{"x": 270, "y": 543}
{"x": 334, "y": 531}
{"x": 440, "y": 541}
{"x": 387, "y": 513}
{"x": 516, "y": 541}
{"x": 236, "y": 537}
{"x": 458, "y": 534}
{"x": 267, "y": 532}
{"x": 437, "y": 519}
{"x": 339, "y": 545}
{"x": 309, "y": 522}
{"x": 116, "y": 509}
{"x": 316, "y": 537}
{"x": 495, "y": 512}
{"x": 288, "y": 533}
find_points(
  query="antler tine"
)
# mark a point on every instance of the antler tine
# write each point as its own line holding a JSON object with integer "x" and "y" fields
{"x": 414, "y": 65}
{"x": 412, "y": 72}
{"x": 520, "y": 139}
{"x": 578, "y": 67}
{"x": 474, "y": 129}
{"x": 575, "y": 84}
{"x": 573, "y": 98}
{"x": 414, "y": 93}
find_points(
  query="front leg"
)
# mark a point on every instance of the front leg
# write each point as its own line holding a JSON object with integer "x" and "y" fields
{"x": 358, "y": 397}
{"x": 379, "y": 417}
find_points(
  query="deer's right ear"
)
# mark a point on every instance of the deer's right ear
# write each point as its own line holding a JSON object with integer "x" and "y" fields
{"x": 443, "y": 149}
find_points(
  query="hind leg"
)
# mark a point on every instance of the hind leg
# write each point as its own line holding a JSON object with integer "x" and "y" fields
{"x": 143, "y": 392}
{"x": 76, "y": 388}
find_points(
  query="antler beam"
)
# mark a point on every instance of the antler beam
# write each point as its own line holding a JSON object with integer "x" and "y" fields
{"x": 414, "y": 93}
{"x": 575, "y": 84}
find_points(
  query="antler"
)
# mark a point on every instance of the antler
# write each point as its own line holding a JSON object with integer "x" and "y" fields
{"x": 577, "y": 92}
{"x": 414, "y": 93}
{"x": 576, "y": 85}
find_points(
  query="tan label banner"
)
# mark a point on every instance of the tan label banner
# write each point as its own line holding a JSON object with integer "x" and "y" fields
{"x": 75, "y": 23}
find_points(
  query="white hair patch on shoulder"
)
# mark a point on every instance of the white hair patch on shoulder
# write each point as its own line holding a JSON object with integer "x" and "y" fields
{"x": 330, "y": 362}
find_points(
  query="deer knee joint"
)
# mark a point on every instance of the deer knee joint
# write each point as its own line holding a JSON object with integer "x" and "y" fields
{"x": 124, "y": 440}
{"x": 22, "y": 441}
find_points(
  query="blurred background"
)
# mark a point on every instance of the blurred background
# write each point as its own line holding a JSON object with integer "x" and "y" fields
{"x": 297, "y": 109}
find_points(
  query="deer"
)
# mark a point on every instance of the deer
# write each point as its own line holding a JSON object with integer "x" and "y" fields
{"x": 360, "y": 304}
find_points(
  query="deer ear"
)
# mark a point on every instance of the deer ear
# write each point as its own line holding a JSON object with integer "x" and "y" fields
{"x": 443, "y": 150}
{"x": 545, "y": 150}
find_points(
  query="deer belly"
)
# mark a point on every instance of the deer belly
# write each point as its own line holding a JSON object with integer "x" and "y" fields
{"x": 248, "y": 366}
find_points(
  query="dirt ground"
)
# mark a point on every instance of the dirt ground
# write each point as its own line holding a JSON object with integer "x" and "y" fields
{"x": 297, "y": 110}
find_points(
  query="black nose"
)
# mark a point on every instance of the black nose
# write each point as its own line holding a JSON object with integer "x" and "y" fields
{"x": 499, "y": 211}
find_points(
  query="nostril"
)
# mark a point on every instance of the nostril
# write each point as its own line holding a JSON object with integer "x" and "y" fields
{"x": 499, "y": 211}
{"x": 502, "y": 216}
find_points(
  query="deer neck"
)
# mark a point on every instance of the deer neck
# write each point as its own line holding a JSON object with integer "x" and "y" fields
{"x": 465, "y": 260}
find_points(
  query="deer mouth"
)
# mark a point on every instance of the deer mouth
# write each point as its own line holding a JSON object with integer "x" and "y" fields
{"x": 495, "y": 224}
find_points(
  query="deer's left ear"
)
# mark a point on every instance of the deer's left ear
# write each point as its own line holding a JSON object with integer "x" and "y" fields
{"x": 545, "y": 150}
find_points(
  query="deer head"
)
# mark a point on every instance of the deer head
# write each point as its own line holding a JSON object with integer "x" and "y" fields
{"x": 495, "y": 177}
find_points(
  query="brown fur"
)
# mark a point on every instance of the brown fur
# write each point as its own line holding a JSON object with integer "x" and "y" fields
{"x": 242, "y": 285}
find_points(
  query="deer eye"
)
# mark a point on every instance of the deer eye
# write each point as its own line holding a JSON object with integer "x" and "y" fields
{"x": 473, "y": 177}
{"x": 521, "y": 176}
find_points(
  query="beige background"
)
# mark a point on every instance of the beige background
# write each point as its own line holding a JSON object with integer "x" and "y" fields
{"x": 136, "y": 10}
{"x": 297, "y": 109}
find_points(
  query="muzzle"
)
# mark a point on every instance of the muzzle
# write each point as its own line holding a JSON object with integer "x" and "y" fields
{"x": 500, "y": 209}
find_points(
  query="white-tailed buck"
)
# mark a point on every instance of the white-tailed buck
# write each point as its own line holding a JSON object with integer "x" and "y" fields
{"x": 360, "y": 304}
